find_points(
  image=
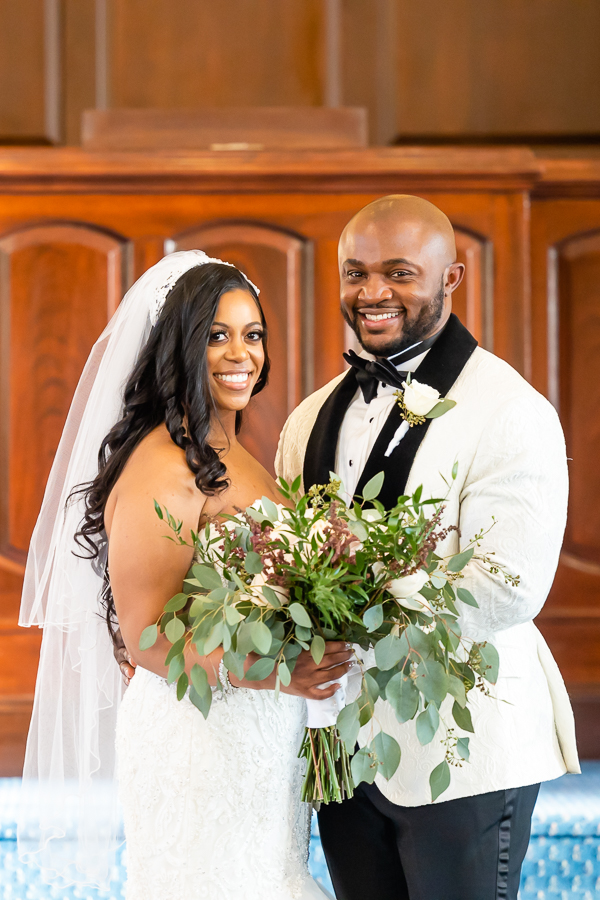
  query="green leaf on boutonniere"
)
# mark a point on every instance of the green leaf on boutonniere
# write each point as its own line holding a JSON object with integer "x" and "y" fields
{"x": 440, "y": 408}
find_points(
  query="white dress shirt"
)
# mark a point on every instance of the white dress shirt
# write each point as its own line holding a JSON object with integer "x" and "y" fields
{"x": 361, "y": 426}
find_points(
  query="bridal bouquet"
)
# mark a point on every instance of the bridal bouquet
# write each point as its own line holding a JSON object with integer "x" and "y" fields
{"x": 276, "y": 580}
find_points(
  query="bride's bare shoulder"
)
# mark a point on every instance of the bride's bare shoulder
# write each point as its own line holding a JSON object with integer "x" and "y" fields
{"x": 156, "y": 470}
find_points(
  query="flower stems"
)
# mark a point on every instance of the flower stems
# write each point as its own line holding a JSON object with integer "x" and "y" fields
{"x": 328, "y": 777}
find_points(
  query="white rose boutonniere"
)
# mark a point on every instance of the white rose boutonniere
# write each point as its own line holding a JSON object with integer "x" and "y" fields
{"x": 419, "y": 402}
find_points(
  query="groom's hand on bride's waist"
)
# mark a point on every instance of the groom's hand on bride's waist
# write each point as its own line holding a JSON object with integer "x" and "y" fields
{"x": 307, "y": 675}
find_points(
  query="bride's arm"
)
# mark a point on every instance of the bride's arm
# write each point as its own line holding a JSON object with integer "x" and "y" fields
{"x": 146, "y": 570}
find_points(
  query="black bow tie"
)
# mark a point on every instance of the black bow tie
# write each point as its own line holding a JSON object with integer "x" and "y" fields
{"x": 371, "y": 372}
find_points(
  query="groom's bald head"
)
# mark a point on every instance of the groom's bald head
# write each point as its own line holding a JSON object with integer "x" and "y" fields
{"x": 398, "y": 269}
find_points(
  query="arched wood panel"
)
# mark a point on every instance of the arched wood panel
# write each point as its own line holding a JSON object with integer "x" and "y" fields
{"x": 278, "y": 262}
{"x": 472, "y": 301}
{"x": 59, "y": 284}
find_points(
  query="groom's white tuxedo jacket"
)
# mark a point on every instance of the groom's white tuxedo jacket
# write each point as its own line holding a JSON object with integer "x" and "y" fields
{"x": 510, "y": 450}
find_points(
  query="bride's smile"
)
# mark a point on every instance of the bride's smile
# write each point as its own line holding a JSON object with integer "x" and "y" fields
{"x": 235, "y": 354}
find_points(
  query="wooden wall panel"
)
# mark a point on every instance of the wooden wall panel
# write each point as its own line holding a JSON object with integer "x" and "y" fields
{"x": 279, "y": 263}
{"x": 59, "y": 285}
{"x": 22, "y": 70}
{"x": 498, "y": 67}
{"x": 174, "y": 53}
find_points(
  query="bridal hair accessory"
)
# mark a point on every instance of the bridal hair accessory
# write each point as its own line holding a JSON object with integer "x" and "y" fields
{"x": 69, "y": 822}
{"x": 419, "y": 402}
{"x": 159, "y": 295}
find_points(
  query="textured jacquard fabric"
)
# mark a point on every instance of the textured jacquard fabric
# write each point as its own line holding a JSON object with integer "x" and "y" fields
{"x": 507, "y": 443}
{"x": 211, "y": 807}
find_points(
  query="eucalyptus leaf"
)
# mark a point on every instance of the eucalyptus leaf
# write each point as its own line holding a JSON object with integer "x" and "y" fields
{"x": 253, "y": 563}
{"x": 462, "y": 717}
{"x": 427, "y": 724}
{"x": 439, "y": 780}
{"x": 270, "y": 508}
{"x": 358, "y": 529}
{"x": 176, "y": 667}
{"x": 467, "y": 597}
{"x": 348, "y": 725}
{"x": 260, "y": 670}
{"x": 373, "y": 618}
{"x": 261, "y": 637}
{"x": 303, "y": 634}
{"x": 458, "y": 562}
{"x": 176, "y": 603}
{"x": 363, "y": 767}
{"x": 233, "y": 615}
{"x": 299, "y": 615}
{"x": 148, "y": 637}
{"x": 201, "y": 701}
{"x": 440, "y": 408}
{"x": 432, "y": 680}
{"x": 208, "y": 577}
{"x": 175, "y": 650}
{"x": 403, "y": 696}
{"x": 182, "y": 685}
{"x": 418, "y": 641}
{"x": 175, "y": 630}
{"x": 373, "y": 487}
{"x": 270, "y": 596}
{"x": 234, "y": 662}
{"x": 317, "y": 649}
{"x": 388, "y": 754}
{"x": 388, "y": 652}
{"x": 214, "y": 638}
{"x": 462, "y": 746}
{"x": 457, "y": 689}
{"x": 284, "y": 673}
{"x": 199, "y": 679}
{"x": 491, "y": 662}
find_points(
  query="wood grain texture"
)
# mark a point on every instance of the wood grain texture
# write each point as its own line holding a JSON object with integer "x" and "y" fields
{"x": 498, "y": 67}
{"x": 185, "y": 53}
{"x": 60, "y": 284}
{"x": 22, "y": 70}
{"x": 256, "y": 127}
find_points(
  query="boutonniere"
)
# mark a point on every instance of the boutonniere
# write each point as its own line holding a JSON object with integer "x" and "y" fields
{"x": 419, "y": 402}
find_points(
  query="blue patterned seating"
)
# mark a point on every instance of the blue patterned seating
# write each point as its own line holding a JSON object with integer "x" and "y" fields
{"x": 562, "y": 863}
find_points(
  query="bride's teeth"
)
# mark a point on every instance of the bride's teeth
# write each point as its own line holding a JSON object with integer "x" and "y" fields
{"x": 379, "y": 317}
{"x": 234, "y": 379}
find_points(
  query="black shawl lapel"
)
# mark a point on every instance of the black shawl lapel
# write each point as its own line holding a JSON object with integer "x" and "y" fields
{"x": 319, "y": 459}
{"x": 440, "y": 369}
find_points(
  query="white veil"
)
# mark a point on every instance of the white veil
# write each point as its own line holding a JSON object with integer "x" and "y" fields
{"x": 69, "y": 821}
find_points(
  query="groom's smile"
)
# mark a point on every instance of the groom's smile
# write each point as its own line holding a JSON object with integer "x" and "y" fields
{"x": 397, "y": 273}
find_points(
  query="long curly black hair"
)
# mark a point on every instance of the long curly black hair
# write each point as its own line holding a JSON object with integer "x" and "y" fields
{"x": 169, "y": 383}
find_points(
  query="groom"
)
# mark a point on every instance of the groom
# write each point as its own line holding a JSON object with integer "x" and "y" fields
{"x": 398, "y": 271}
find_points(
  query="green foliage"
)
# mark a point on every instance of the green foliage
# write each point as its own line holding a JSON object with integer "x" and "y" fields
{"x": 439, "y": 780}
{"x": 327, "y": 571}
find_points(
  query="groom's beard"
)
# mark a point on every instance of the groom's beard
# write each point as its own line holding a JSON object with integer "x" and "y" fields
{"x": 420, "y": 328}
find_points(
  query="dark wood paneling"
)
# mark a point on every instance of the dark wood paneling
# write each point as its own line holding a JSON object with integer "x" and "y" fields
{"x": 186, "y": 53}
{"x": 498, "y": 67}
{"x": 22, "y": 70}
{"x": 60, "y": 283}
{"x": 279, "y": 263}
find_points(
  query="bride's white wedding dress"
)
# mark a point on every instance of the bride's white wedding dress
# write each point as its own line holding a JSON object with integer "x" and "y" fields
{"x": 212, "y": 807}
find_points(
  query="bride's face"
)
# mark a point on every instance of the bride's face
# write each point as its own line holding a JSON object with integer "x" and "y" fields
{"x": 235, "y": 354}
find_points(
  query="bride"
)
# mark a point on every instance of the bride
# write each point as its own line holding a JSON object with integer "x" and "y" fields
{"x": 211, "y": 807}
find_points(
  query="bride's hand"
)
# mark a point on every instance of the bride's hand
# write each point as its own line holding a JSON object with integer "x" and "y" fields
{"x": 307, "y": 675}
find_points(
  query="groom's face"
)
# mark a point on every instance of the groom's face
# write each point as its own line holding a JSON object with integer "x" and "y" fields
{"x": 396, "y": 284}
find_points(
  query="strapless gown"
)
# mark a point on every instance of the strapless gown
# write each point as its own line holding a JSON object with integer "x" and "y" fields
{"x": 212, "y": 807}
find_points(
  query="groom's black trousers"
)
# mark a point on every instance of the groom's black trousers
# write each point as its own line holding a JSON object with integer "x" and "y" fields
{"x": 466, "y": 849}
